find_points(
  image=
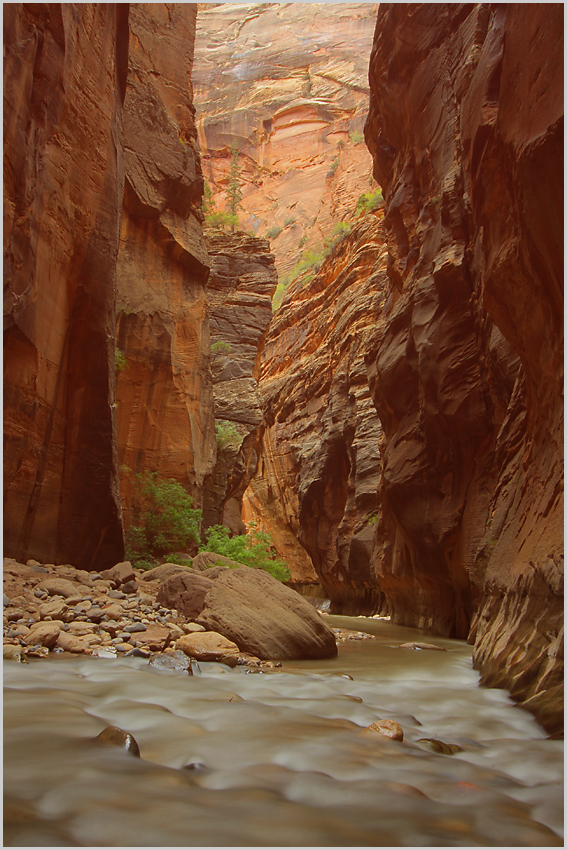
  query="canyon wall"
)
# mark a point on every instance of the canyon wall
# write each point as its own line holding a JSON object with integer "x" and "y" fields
{"x": 239, "y": 293}
{"x": 65, "y": 72}
{"x": 288, "y": 85}
{"x": 164, "y": 389}
{"x": 466, "y": 130}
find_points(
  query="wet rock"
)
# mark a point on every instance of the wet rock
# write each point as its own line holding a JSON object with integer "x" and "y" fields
{"x": 13, "y": 653}
{"x": 139, "y": 652}
{"x": 440, "y": 747}
{"x": 122, "y": 647}
{"x": 45, "y": 634}
{"x": 209, "y": 646}
{"x": 156, "y": 638}
{"x": 386, "y": 728}
{"x": 61, "y": 587}
{"x": 265, "y": 618}
{"x": 72, "y": 643}
{"x": 113, "y": 736}
{"x": 176, "y": 661}
{"x": 120, "y": 573}
{"x": 419, "y": 645}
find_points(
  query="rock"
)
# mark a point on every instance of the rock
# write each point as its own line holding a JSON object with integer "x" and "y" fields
{"x": 185, "y": 592}
{"x": 418, "y": 645}
{"x": 6, "y": 601}
{"x": 164, "y": 571}
{"x": 176, "y": 661}
{"x": 122, "y": 647}
{"x": 135, "y": 627}
{"x": 190, "y": 628}
{"x": 113, "y": 612}
{"x": 120, "y": 573}
{"x": 386, "y": 728}
{"x": 116, "y": 594}
{"x": 32, "y": 563}
{"x": 13, "y": 653}
{"x": 209, "y": 646}
{"x": 265, "y": 618}
{"x": 45, "y": 634}
{"x": 54, "y": 609}
{"x": 129, "y": 587}
{"x": 81, "y": 628}
{"x": 72, "y": 643}
{"x": 139, "y": 652}
{"x": 206, "y": 560}
{"x": 435, "y": 746}
{"x": 61, "y": 587}
{"x": 113, "y": 736}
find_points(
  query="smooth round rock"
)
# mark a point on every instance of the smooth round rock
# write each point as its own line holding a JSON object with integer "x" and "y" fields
{"x": 387, "y": 728}
{"x": 113, "y": 736}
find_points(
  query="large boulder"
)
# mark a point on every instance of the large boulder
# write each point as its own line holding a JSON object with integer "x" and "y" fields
{"x": 264, "y": 617}
{"x": 185, "y": 591}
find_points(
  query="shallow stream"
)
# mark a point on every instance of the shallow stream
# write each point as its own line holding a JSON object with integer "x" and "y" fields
{"x": 277, "y": 758}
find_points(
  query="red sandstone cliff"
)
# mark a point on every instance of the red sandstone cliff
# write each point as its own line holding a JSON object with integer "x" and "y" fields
{"x": 466, "y": 130}
{"x": 288, "y": 83}
{"x": 164, "y": 393}
{"x": 64, "y": 78}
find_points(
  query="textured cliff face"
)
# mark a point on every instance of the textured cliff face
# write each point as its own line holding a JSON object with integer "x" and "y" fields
{"x": 239, "y": 293}
{"x": 465, "y": 367}
{"x": 319, "y": 469}
{"x": 64, "y": 78}
{"x": 164, "y": 395}
{"x": 288, "y": 83}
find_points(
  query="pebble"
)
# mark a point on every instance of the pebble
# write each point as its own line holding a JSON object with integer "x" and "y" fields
{"x": 135, "y": 627}
{"x": 116, "y": 594}
{"x": 123, "y": 647}
{"x": 115, "y": 737}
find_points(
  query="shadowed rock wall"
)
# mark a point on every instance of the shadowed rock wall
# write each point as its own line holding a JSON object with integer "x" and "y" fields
{"x": 164, "y": 392}
{"x": 466, "y": 130}
{"x": 64, "y": 79}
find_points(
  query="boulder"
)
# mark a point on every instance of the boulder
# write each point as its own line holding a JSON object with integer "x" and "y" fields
{"x": 209, "y": 646}
{"x": 53, "y": 609}
{"x": 206, "y": 560}
{"x": 264, "y": 617}
{"x": 185, "y": 592}
{"x": 72, "y": 643}
{"x": 119, "y": 573}
{"x": 164, "y": 571}
{"x": 61, "y": 587}
{"x": 45, "y": 634}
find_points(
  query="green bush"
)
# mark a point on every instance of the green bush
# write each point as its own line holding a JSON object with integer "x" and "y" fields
{"x": 180, "y": 562}
{"x": 221, "y": 220}
{"x": 289, "y": 221}
{"x": 219, "y": 348}
{"x": 227, "y": 435}
{"x": 274, "y": 231}
{"x": 120, "y": 362}
{"x": 252, "y": 550}
{"x": 368, "y": 201}
{"x": 164, "y": 519}
{"x": 356, "y": 137}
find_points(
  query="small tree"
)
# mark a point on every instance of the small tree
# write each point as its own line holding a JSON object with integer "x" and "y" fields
{"x": 164, "y": 518}
{"x": 234, "y": 191}
{"x": 253, "y": 550}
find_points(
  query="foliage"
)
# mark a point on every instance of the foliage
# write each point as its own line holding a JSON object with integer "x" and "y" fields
{"x": 234, "y": 191}
{"x": 253, "y": 549}
{"x": 180, "y": 562}
{"x": 289, "y": 221}
{"x": 356, "y": 137}
{"x": 334, "y": 166}
{"x": 368, "y": 201}
{"x": 221, "y": 220}
{"x": 120, "y": 362}
{"x": 208, "y": 202}
{"x": 274, "y": 231}
{"x": 227, "y": 435}
{"x": 219, "y": 348}
{"x": 372, "y": 519}
{"x": 164, "y": 518}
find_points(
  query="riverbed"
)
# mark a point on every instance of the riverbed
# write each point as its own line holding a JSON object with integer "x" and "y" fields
{"x": 234, "y": 757}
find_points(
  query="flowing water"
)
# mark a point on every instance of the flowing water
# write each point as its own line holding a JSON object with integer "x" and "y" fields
{"x": 277, "y": 758}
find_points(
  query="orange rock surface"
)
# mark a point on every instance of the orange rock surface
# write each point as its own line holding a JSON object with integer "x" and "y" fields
{"x": 288, "y": 84}
{"x": 164, "y": 390}
{"x": 64, "y": 77}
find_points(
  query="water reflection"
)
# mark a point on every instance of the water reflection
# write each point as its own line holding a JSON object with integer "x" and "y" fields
{"x": 282, "y": 757}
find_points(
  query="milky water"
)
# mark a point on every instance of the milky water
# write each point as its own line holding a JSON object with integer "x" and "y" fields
{"x": 278, "y": 758}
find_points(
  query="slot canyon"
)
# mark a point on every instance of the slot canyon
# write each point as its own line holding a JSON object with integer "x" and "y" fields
{"x": 298, "y": 267}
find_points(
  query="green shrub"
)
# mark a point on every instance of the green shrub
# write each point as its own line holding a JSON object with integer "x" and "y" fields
{"x": 252, "y": 550}
{"x": 163, "y": 519}
{"x": 274, "y": 231}
{"x": 180, "y": 562}
{"x": 368, "y": 201}
{"x": 227, "y": 435}
{"x": 120, "y": 362}
{"x": 220, "y": 348}
{"x": 221, "y": 220}
{"x": 356, "y": 137}
{"x": 289, "y": 221}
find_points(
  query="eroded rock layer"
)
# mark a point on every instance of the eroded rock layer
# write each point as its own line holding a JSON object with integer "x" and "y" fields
{"x": 164, "y": 388}
{"x": 240, "y": 289}
{"x": 465, "y": 367}
{"x": 287, "y": 83}
{"x": 64, "y": 77}
{"x": 319, "y": 468}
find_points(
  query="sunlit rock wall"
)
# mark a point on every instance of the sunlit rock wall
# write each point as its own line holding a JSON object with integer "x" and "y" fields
{"x": 65, "y": 71}
{"x": 288, "y": 84}
{"x": 466, "y": 368}
{"x": 164, "y": 388}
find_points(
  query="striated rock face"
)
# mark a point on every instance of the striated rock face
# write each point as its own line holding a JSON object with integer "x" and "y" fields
{"x": 320, "y": 459}
{"x": 164, "y": 393}
{"x": 288, "y": 84}
{"x": 64, "y": 78}
{"x": 240, "y": 289}
{"x": 465, "y": 365}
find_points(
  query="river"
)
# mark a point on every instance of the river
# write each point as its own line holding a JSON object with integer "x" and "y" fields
{"x": 235, "y": 758}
